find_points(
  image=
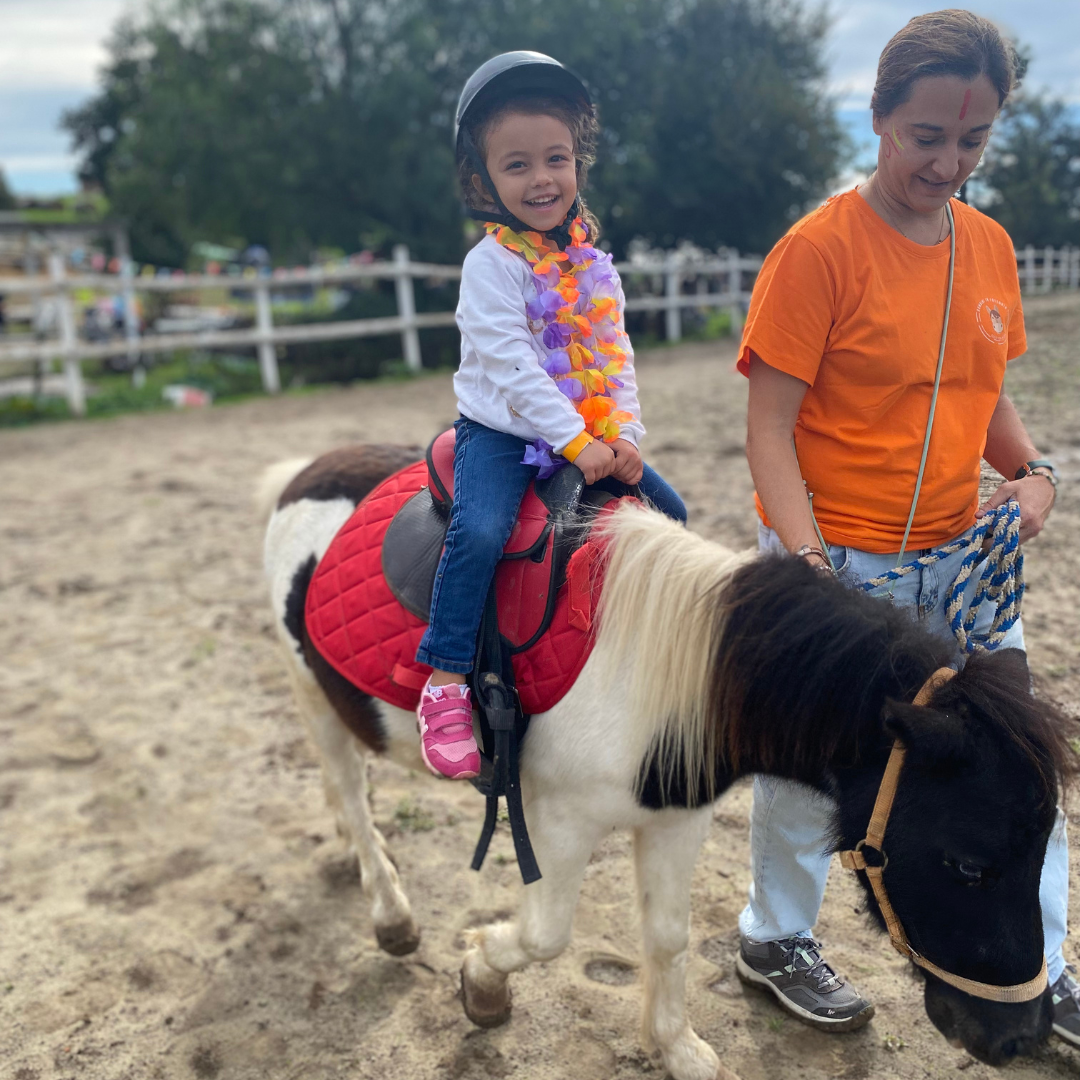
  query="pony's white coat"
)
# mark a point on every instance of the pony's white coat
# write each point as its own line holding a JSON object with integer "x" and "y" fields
{"x": 644, "y": 682}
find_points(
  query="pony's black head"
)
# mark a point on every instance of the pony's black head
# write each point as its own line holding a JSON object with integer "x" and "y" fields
{"x": 811, "y": 683}
{"x": 976, "y": 802}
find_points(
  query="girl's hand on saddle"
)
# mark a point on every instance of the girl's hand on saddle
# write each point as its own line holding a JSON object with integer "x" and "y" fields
{"x": 628, "y": 464}
{"x": 596, "y": 461}
{"x": 1034, "y": 493}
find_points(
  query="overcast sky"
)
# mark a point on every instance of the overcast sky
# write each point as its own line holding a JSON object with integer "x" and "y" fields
{"x": 50, "y": 51}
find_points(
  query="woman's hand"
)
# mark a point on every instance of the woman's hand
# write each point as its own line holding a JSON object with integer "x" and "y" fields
{"x": 596, "y": 461}
{"x": 628, "y": 464}
{"x": 1034, "y": 493}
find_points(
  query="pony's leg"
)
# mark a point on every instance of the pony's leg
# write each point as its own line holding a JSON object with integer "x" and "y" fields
{"x": 563, "y": 842}
{"x": 344, "y": 771}
{"x": 665, "y": 851}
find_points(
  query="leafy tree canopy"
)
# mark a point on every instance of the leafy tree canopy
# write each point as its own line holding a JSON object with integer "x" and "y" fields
{"x": 302, "y": 123}
{"x": 1030, "y": 178}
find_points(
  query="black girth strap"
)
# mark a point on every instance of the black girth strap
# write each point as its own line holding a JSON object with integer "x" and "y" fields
{"x": 502, "y": 725}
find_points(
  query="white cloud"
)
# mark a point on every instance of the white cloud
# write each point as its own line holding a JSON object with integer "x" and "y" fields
{"x": 49, "y": 44}
{"x": 1050, "y": 28}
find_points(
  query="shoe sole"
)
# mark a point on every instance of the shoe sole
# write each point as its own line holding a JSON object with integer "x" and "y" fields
{"x": 758, "y": 981}
{"x": 1071, "y": 1037}
{"x": 441, "y": 775}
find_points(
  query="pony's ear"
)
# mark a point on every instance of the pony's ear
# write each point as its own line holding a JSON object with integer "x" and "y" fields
{"x": 933, "y": 739}
{"x": 1013, "y": 664}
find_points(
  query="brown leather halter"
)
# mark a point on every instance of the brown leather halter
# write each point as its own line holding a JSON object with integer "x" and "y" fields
{"x": 875, "y": 837}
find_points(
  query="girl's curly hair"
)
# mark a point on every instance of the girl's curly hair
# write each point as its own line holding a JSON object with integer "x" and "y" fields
{"x": 578, "y": 116}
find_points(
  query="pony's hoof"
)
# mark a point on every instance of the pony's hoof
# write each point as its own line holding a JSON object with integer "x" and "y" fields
{"x": 400, "y": 939}
{"x": 692, "y": 1058}
{"x": 485, "y": 1008}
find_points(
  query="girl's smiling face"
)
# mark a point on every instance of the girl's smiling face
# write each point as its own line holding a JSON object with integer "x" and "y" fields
{"x": 931, "y": 144}
{"x": 531, "y": 162}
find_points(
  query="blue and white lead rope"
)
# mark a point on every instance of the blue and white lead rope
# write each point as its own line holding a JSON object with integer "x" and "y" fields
{"x": 1002, "y": 581}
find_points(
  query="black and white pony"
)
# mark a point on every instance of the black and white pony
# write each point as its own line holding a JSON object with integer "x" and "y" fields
{"x": 709, "y": 665}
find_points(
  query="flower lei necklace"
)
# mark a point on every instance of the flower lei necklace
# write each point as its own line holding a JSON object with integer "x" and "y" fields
{"x": 575, "y": 303}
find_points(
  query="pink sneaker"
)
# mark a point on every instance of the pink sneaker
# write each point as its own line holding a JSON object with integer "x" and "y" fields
{"x": 446, "y": 735}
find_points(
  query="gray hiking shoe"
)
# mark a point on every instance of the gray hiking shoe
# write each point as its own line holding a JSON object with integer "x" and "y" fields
{"x": 803, "y": 983}
{"x": 1065, "y": 994}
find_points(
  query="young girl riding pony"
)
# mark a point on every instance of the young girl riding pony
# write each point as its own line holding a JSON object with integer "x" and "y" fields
{"x": 547, "y": 373}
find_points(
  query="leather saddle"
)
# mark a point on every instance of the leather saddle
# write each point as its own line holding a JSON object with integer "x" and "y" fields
{"x": 552, "y": 523}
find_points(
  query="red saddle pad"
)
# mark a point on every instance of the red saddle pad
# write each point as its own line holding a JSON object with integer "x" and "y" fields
{"x": 358, "y": 625}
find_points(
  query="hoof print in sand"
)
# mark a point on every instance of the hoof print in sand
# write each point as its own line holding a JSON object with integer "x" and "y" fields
{"x": 611, "y": 970}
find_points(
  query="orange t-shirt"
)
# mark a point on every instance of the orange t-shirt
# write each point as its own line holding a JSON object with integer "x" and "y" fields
{"x": 850, "y": 306}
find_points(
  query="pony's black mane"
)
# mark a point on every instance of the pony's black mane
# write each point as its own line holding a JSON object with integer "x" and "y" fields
{"x": 805, "y": 665}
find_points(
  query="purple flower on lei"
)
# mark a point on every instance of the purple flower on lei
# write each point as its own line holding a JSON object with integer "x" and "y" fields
{"x": 556, "y": 363}
{"x": 551, "y": 277}
{"x": 557, "y": 335}
{"x": 542, "y": 454}
{"x": 570, "y": 388}
{"x": 598, "y": 274}
{"x": 578, "y": 255}
{"x": 545, "y": 306}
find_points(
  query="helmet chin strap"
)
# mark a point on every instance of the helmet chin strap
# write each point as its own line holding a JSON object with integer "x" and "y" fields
{"x": 500, "y": 215}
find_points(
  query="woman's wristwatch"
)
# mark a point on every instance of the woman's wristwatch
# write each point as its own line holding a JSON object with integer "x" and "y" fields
{"x": 1039, "y": 467}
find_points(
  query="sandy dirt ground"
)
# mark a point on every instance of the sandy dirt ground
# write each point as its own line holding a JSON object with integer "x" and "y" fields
{"x": 174, "y": 902}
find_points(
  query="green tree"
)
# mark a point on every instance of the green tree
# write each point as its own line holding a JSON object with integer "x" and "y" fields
{"x": 1030, "y": 178}
{"x": 327, "y": 122}
{"x": 7, "y": 199}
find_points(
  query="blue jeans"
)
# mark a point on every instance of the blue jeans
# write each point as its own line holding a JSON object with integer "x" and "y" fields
{"x": 790, "y": 825}
{"x": 489, "y": 482}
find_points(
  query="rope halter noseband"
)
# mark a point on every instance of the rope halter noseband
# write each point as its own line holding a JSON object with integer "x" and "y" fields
{"x": 875, "y": 839}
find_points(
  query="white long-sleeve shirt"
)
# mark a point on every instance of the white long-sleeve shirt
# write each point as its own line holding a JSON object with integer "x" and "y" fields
{"x": 500, "y": 382}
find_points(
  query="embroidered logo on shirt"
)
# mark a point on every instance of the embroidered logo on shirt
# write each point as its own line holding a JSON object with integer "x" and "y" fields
{"x": 992, "y": 317}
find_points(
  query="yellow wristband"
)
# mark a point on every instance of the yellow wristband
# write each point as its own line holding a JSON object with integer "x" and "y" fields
{"x": 573, "y": 448}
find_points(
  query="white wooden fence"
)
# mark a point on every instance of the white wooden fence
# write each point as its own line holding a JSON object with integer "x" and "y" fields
{"x": 677, "y": 280}
{"x": 1042, "y": 268}
{"x": 672, "y": 272}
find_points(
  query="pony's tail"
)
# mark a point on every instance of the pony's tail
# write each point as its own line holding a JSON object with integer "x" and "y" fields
{"x": 273, "y": 482}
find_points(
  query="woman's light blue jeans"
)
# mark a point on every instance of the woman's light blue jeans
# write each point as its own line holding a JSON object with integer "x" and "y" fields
{"x": 790, "y": 823}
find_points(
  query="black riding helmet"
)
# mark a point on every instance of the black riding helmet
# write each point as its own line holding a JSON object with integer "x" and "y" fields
{"x": 509, "y": 75}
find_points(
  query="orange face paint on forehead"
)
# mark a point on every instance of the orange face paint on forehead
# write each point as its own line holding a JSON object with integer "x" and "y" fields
{"x": 967, "y": 102}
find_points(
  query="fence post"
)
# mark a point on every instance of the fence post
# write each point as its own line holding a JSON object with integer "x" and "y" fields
{"x": 1048, "y": 269}
{"x": 1029, "y": 268}
{"x": 74, "y": 389}
{"x": 1074, "y": 268}
{"x": 127, "y": 297}
{"x": 264, "y": 323}
{"x": 406, "y": 303}
{"x": 735, "y": 289}
{"x": 672, "y": 281}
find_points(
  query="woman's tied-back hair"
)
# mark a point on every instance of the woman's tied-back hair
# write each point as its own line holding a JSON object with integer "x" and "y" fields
{"x": 578, "y": 116}
{"x": 951, "y": 42}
